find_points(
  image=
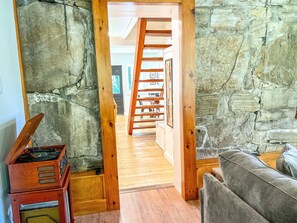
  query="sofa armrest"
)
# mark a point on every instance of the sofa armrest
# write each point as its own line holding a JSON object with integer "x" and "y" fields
{"x": 201, "y": 197}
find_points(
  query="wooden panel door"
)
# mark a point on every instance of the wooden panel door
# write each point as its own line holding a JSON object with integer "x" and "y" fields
{"x": 117, "y": 87}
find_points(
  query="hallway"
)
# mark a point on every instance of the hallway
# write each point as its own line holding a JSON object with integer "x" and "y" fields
{"x": 141, "y": 162}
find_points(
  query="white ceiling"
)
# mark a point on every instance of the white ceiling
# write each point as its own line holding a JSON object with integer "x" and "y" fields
{"x": 144, "y": 11}
{"x": 123, "y": 24}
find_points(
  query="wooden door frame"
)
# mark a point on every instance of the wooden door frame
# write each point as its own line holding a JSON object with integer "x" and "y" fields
{"x": 188, "y": 152}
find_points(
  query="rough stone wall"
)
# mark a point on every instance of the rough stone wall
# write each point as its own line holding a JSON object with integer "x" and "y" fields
{"x": 246, "y": 55}
{"x": 62, "y": 83}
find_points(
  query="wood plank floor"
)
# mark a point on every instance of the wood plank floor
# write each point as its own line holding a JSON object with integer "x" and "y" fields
{"x": 158, "y": 206}
{"x": 141, "y": 162}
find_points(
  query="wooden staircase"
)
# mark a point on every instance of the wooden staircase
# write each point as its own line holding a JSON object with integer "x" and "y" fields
{"x": 146, "y": 110}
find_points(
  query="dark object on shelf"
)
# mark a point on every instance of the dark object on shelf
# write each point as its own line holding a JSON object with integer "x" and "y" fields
{"x": 37, "y": 154}
{"x": 35, "y": 168}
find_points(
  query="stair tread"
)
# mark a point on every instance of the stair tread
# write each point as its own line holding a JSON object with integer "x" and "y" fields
{"x": 149, "y": 120}
{"x": 157, "y": 46}
{"x": 145, "y": 127}
{"x": 151, "y": 80}
{"x": 149, "y": 106}
{"x": 152, "y": 59}
{"x": 149, "y": 114}
{"x": 159, "y": 33}
{"x": 158, "y": 19}
{"x": 152, "y": 70}
{"x": 150, "y": 89}
{"x": 150, "y": 99}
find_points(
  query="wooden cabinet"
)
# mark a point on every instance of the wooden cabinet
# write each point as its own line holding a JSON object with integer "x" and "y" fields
{"x": 88, "y": 193}
{"x": 62, "y": 195}
{"x": 39, "y": 180}
{"x": 35, "y": 175}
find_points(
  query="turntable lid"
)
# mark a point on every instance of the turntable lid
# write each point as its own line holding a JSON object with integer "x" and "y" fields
{"x": 23, "y": 139}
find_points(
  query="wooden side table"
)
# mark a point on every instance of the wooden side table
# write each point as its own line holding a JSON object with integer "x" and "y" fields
{"x": 217, "y": 172}
{"x": 57, "y": 194}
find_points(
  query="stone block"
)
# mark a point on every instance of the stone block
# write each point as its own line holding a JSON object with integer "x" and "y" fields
{"x": 274, "y": 115}
{"x": 232, "y": 131}
{"x": 287, "y": 123}
{"x": 202, "y": 21}
{"x": 278, "y": 64}
{"x": 86, "y": 98}
{"x": 228, "y": 19}
{"x": 279, "y": 2}
{"x": 67, "y": 123}
{"x": 206, "y": 104}
{"x": 229, "y": 3}
{"x": 244, "y": 102}
{"x": 201, "y": 134}
{"x": 207, "y": 3}
{"x": 275, "y": 98}
{"x": 259, "y": 137}
{"x": 223, "y": 110}
{"x": 48, "y": 64}
{"x": 282, "y": 136}
{"x": 222, "y": 63}
{"x": 266, "y": 148}
{"x": 86, "y": 163}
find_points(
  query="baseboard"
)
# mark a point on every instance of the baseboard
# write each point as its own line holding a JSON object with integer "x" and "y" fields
{"x": 142, "y": 188}
{"x": 169, "y": 158}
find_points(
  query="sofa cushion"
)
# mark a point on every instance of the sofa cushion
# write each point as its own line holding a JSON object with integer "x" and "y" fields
{"x": 220, "y": 205}
{"x": 269, "y": 192}
{"x": 287, "y": 162}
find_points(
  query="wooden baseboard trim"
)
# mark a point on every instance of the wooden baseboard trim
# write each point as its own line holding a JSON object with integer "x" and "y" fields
{"x": 153, "y": 187}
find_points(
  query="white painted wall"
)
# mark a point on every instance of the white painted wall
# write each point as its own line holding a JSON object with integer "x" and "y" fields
{"x": 125, "y": 60}
{"x": 177, "y": 98}
{"x": 11, "y": 102}
{"x": 169, "y": 139}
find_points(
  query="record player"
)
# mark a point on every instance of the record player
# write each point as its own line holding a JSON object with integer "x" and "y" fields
{"x": 38, "y": 167}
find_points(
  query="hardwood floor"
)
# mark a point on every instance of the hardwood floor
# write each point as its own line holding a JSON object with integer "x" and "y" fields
{"x": 159, "y": 206}
{"x": 141, "y": 162}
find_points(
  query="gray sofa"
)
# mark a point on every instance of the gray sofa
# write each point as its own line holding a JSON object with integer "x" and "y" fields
{"x": 251, "y": 193}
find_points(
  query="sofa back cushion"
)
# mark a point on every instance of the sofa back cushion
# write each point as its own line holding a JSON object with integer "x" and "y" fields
{"x": 269, "y": 192}
{"x": 287, "y": 162}
{"x": 220, "y": 205}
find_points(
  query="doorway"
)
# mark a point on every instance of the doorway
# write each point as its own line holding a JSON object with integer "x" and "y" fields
{"x": 117, "y": 88}
{"x": 144, "y": 158}
{"x": 185, "y": 139}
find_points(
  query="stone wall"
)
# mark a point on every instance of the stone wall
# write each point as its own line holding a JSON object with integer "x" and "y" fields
{"x": 61, "y": 82}
{"x": 246, "y": 55}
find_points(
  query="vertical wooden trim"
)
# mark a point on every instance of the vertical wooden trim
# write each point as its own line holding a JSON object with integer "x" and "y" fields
{"x": 23, "y": 82}
{"x": 104, "y": 73}
{"x": 137, "y": 69}
{"x": 189, "y": 187}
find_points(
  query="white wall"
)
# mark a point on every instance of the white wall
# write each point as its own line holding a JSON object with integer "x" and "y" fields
{"x": 11, "y": 102}
{"x": 169, "y": 139}
{"x": 177, "y": 98}
{"x": 125, "y": 60}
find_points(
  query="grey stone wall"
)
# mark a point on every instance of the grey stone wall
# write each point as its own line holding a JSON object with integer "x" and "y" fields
{"x": 246, "y": 55}
{"x": 61, "y": 82}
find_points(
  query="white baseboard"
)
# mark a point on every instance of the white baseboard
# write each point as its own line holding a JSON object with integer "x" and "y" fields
{"x": 169, "y": 157}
